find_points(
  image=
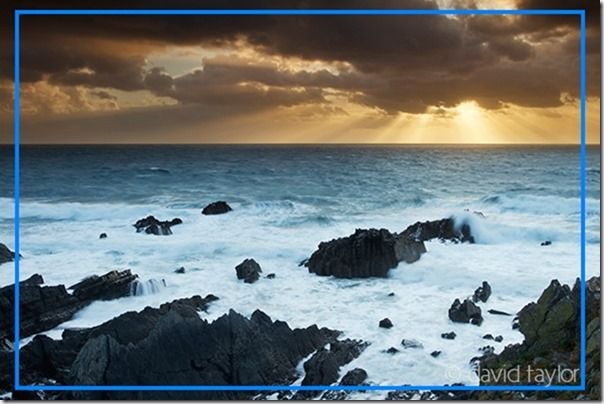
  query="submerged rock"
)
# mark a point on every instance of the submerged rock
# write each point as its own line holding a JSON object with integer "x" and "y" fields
{"x": 411, "y": 343}
{"x": 150, "y": 225}
{"x": 482, "y": 293}
{"x": 45, "y": 307}
{"x": 6, "y": 255}
{"x": 249, "y": 270}
{"x": 216, "y": 208}
{"x": 444, "y": 229}
{"x": 466, "y": 312}
{"x": 365, "y": 253}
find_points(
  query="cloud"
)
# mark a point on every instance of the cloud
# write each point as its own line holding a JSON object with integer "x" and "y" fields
{"x": 393, "y": 63}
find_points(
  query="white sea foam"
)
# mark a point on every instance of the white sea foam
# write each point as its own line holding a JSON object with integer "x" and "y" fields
{"x": 61, "y": 241}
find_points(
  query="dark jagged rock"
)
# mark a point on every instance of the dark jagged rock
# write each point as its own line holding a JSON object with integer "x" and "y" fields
{"x": 151, "y": 225}
{"x": 392, "y": 350}
{"x": 112, "y": 285}
{"x": 498, "y": 312}
{"x": 435, "y": 354}
{"x": 180, "y": 270}
{"x": 270, "y": 276}
{"x": 488, "y": 336}
{"x": 385, "y": 323}
{"x": 103, "y": 235}
{"x": 6, "y": 255}
{"x": 466, "y": 312}
{"x": 45, "y": 307}
{"x": 232, "y": 350}
{"x": 498, "y": 338}
{"x": 45, "y": 358}
{"x": 444, "y": 229}
{"x": 552, "y": 341}
{"x": 391, "y": 294}
{"x": 483, "y": 293}
{"x": 546, "y": 243}
{"x": 249, "y": 270}
{"x": 216, "y": 208}
{"x": 448, "y": 335}
{"x": 364, "y": 254}
{"x": 324, "y": 366}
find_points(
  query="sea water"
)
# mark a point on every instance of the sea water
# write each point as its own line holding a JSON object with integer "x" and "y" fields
{"x": 286, "y": 200}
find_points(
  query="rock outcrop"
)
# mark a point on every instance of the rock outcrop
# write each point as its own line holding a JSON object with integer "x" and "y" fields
{"x": 444, "y": 229}
{"x": 324, "y": 366}
{"x": 551, "y": 328}
{"x": 366, "y": 253}
{"x": 151, "y": 225}
{"x": 216, "y": 208}
{"x": 466, "y": 312}
{"x": 45, "y": 307}
{"x": 6, "y": 255}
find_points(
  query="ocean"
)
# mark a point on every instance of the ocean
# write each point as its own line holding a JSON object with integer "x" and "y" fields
{"x": 286, "y": 200}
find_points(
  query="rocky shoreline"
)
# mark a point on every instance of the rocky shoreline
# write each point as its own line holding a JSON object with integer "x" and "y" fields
{"x": 141, "y": 348}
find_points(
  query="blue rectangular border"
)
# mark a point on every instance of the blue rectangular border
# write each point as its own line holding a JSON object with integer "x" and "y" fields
{"x": 17, "y": 128}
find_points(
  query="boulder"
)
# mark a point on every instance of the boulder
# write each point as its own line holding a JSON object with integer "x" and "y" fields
{"x": 180, "y": 270}
{"x": 392, "y": 350}
{"x": 216, "y": 208}
{"x": 249, "y": 270}
{"x": 444, "y": 229}
{"x": 354, "y": 377}
{"x": 103, "y": 235}
{"x": 270, "y": 276}
{"x": 466, "y": 312}
{"x": 546, "y": 243}
{"x": 385, "y": 323}
{"x": 482, "y": 293}
{"x": 435, "y": 354}
{"x": 6, "y": 255}
{"x": 366, "y": 253}
{"x": 448, "y": 335}
{"x": 45, "y": 307}
{"x": 151, "y": 225}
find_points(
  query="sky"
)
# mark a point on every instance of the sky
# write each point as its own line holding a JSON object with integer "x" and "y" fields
{"x": 301, "y": 79}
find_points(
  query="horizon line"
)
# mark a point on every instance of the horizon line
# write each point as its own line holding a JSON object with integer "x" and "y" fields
{"x": 292, "y": 144}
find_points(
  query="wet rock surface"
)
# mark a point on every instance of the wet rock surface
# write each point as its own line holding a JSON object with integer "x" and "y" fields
{"x": 216, "y": 208}
{"x": 366, "y": 253}
{"x": 151, "y": 225}
{"x": 444, "y": 229}
{"x": 466, "y": 312}
{"x": 45, "y": 307}
{"x": 249, "y": 270}
{"x": 6, "y": 255}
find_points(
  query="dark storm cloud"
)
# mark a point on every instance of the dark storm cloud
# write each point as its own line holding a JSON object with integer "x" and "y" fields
{"x": 400, "y": 63}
